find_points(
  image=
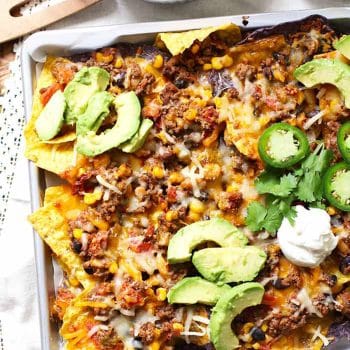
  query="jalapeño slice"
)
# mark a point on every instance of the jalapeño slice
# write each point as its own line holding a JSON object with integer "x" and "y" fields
{"x": 336, "y": 186}
{"x": 283, "y": 145}
{"x": 343, "y": 140}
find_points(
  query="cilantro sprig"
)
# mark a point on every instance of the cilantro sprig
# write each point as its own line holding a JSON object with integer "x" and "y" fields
{"x": 282, "y": 189}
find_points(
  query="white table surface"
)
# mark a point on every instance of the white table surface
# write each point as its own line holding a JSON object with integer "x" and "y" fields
{"x": 18, "y": 301}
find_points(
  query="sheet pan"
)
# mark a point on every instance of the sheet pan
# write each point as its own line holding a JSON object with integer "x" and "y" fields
{"x": 71, "y": 41}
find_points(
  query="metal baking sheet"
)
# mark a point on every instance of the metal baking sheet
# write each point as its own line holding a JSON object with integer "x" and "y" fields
{"x": 72, "y": 41}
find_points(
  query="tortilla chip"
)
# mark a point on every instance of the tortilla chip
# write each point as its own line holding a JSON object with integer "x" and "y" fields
{"x": 76, "y": 325}
{"x": 177, "y": 43}
{"x": 68, "y": 137}
{"x": 51, "y": 223}
{"x": 57, "y": 155}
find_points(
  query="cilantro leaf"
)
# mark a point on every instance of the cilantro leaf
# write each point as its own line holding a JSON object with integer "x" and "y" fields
{"x": 311, "y": 172}
{"x": 273, "y": 219}
{"x": 273, "y": 183}
{"x": 256, "y": 213}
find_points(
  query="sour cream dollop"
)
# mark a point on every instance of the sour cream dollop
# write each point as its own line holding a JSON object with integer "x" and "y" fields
{"x": 310, "y": 240}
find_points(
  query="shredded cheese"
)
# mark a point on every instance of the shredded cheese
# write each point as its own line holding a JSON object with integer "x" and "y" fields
{"x": 314, "y": 119}
{"x": 318, "y": 334}
{"x": 306, "y": 303}
{"x": 96, "y": 328}
{"x": 106, "y": 184}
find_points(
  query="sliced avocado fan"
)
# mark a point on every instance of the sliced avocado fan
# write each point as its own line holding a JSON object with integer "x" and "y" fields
{"x": 227, "y": 265}
{"x": 217, "y": 230}
{"x": 326, "y": 71}
{"x": 128, "y": 108}
{"x": 227, "y": 308}
{"x": 137, "y": 141}
{"x": 97, "y": 110}
{"x": 50, "y": 120}
{"x": 85, "y": 83}
{"x": 193, "y": 290}
{"x": 343, "y": 46}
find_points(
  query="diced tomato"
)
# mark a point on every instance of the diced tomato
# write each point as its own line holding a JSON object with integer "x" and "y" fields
{"x": 47, "y": 93}
{"x": 269, "y": 299}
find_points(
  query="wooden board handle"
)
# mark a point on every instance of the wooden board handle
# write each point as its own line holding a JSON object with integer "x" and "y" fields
{"x": 12, "y": 27}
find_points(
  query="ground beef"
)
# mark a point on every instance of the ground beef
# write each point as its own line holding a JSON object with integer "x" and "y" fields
{"x": 230, "y": 202}
{"x": 168, "y": 93}
{"x": 293, "y": 279}
{"x": 107, "y": 340}
{"x": 147, "y": 333}
{"x": 132, "y": 294}
{"x": 175, "y": 72}
{"x": 323, "y": 304}
{"x": 165, "y": 312}
{"x": 208, "y": 117}
{"x": 282, "y": 324}
{"x": 343, "y": 302}
{"x": 245, "y": 71}
{"x": 329, "y": 132}
{"x": 97, "y": 244}
{"x": 85, "y": 183}
{"x": 63, "y": 70}
{"x": 144, "y": 87}
{"x": 135, "y": 75}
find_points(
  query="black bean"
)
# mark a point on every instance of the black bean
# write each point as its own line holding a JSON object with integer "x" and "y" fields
{"x": 258, "y": 334}
{"x": 89, "y": 270}
{"x": 76, "y": 245}
{"x": 333, "y": 279}
{"x": 181, "y": 83}
{"x": 279, "y": 284}
{"x": 344, "y": 265}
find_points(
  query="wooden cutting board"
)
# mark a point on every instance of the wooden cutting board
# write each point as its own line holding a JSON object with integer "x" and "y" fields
{"x": 13, "y": 25}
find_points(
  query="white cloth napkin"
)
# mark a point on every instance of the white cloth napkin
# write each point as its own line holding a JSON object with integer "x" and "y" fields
{"x": 19, "y": 327}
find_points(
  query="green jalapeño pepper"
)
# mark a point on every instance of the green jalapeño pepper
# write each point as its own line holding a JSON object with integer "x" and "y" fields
{"x": 343, "y": 139}
{"x": 283, "y": 145}
{"x": 336, "y": 186}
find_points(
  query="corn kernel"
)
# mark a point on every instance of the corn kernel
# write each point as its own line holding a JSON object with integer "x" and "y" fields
{"x": 161, "y": 294}
{"x": 278, "y": 75}
{"x": 195, "y": 48}
{"x": 197, "y": 206}
{"x": 212, "y": 171}
{"x": 119, "y": 63}
{"x": 218, "y": 102}
{"x": 192, "y": 216}
{"x": 331, "y": 210}
{"x": 256, "y": 346}
{"x": 232, "y": 188}
{"x": 190, "y": 114}
{"x": 247, "y": 327}
{"x": 178, "y": 327}
{"x": 227, "y": 61}
{"x": 171, "y": 215}
{"x": 158, "y": 61}
{"x": 154, "y": 345}
{"x": 158, "y": 172}
{"x": 91, "y": 198}
{"x": 264, "y": 327}
{"x": 73, "y": 282}
{"x": 113, "y": 267}
{"x": 176, "y": 178}
{"x": 99, "y": 223}
{"x": 217, "y": 63}
{"x": 100, "y": 57}
{"x": 124, "y": 170}
{"x": 77, "y": 233}
{"x": 81, "y": 171}
{"x": 207, "y": 66}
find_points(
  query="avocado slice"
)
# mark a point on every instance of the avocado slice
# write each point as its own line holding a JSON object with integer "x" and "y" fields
{"x": 343, "y": 46}
{"x": 78, "y": 91}
{"x": 324, "y": 70}
{"x": 226, "y": 265}
{"x": 227, "y": 308}
{"x": 50, "y": 120}
{"x": 193, "y": 290}
{"x": 137, "y": 141}
{"x": 129, "y": 109}
{"x": 97, "y": 110}
{"x": 216, "y": 230}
